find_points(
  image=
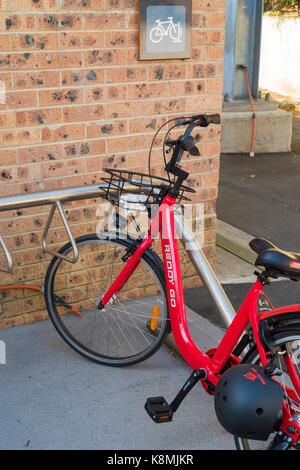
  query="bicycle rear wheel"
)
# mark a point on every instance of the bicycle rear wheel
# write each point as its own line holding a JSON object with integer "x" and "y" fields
{"x": 133, "y": 324}
{"x": 287, "y": 339}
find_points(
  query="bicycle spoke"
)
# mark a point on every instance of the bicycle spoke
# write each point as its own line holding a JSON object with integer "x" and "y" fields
{"x": 120, "y": 331}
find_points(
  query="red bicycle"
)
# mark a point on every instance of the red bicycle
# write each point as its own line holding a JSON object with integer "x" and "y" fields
{"x": 127, "y": 300}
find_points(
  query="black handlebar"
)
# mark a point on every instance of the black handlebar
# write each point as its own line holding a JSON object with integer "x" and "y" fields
{"x": 206, "y": 119}
{"x": 186, "y": 143}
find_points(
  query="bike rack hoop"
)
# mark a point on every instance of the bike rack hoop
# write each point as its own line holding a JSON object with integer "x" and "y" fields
{"x": 57, "y": 205}
{"x": 55, "y": 199}
{"x": 9, "y": 268}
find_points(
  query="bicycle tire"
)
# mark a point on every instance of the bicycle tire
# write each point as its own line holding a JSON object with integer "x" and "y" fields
{"x": 287, "y": 334}
{"x": 107, "y": 336}
{"x": 156, "y": 35}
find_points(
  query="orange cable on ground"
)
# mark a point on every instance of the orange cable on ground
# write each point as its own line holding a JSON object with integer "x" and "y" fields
{"x": 38, "y": 289}
{"x": 21, "y": 286}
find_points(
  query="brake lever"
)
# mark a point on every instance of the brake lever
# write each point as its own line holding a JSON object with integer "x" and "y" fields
{"x": 187, "y": 142}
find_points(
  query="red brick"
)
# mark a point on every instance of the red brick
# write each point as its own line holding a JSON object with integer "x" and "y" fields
{"x": 83, "y": 113}
{"x": 27, "y": 173}
{"x": 4, "y": 43}
{"x": 212, "y": 149}
{"x": 41, "y": 153}
{"x": 8, "y": 156}
{"x": 144, "y": 125}
{"x": 126, "y": 74}
{"x": 167, "y": 72}
{"x": 107, "y": 93}
{"x": 24, "y": 61}
{"x": 214, "y": 85}
{"x": 187, "y": 87}
{"x": 55, "y": 22}
{"x": 39, "y": 117}
{"x": 60, "y": 97}
{"x": 128, "y": 109}
{"x": 7, "y": 120}
{"x": 121, "y": 4}
{"x": 4, "y": 5}
{"x": 18, "y": 99}
{"x": 204, "y": 103}
{"x": 63, "y": 133}
{"x": 22, "y": 22}
{"x": 15, "y": 138}
{"x": 104, "y": 57}
{"x": 82, "y": 40}
{"x": 211, "y": 5}
{"x": 123, "y": 144}
{"x": 216, "y": 53}
{"x": 216, "y": 20}
{"x": 106, "y": 129}
{"x": 39, "y": 79}
{"x": 85, "y": 148}
{"x": 211, "y": 179}
{"x": 80, "y": 5}
{"x": 121, "y": 39}
{"x": 58, "y": 60}
{"x": 104, "y": 21}
{"x": 7, "y": 79}
{"x": 63, "y": 168}
{"x": 42, "y": 5}
{"x": 95, "y": 164}
{"x": 148, "y": 90}
{"x": 34, "y": 41}
{"x": 82, "y": 77}
{"x": 165, "y": 106}
{"x": 199, "y": 20}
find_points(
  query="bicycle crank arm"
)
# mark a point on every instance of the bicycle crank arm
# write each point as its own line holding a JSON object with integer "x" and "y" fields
{"x": 160, "y": 411}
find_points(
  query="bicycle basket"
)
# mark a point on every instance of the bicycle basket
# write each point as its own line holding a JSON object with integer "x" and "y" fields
{"x": 118, "y": 191}
{"x": 119, "y": 187}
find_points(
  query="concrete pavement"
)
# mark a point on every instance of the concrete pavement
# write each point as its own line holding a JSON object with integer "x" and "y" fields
{"x": 52, "y": 398}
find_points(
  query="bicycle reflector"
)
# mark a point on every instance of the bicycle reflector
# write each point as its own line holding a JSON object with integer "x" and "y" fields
{"x": 248, "y": 402}
{"x": 154, "y": 318}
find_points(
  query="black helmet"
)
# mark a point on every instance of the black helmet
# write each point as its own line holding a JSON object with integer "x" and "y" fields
{"x": 248, "y": 402}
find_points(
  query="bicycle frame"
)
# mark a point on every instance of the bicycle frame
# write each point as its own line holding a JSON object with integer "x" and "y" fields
{"x": 163, "y": 224}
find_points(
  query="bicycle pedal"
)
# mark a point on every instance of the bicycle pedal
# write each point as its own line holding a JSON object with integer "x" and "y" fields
{"x": 159, "y": 410}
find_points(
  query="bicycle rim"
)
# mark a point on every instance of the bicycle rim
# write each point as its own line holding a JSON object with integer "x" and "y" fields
{"x": 288, "y": 347}
{"x": 134, "y": 322}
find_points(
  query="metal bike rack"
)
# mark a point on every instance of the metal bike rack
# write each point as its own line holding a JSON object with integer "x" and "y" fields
{"x": 8, "y": 257}
{"x": 57, "y": 205}
{"x": 55, "y": 199}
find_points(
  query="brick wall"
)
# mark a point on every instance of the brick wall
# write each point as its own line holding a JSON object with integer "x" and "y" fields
{"x": 77, "y": 99}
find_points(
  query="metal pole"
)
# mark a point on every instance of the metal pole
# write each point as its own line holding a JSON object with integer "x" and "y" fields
{"x": 205, "y": 271}
{"x": 48, "y": 197}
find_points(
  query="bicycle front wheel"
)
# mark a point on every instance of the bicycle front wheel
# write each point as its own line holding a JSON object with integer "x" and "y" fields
{"x": 133, "y": 324}
{"x": 287, "y": 339}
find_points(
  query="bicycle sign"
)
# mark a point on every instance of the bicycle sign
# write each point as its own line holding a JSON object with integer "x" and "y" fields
{"x": 165, "y": 29}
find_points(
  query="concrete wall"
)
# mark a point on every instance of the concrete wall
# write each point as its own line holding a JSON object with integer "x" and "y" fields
{"x": 280, "y": 56}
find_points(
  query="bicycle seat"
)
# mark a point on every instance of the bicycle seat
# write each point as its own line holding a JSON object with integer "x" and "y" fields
{"x": 285, "y": 263}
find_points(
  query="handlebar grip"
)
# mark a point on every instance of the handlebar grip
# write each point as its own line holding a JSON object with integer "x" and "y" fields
{"x": 213, "y": 119}
{"x": 206, "y": 119}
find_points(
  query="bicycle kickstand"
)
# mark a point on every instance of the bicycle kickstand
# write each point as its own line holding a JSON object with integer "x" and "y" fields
{"x": 160, "y": 411}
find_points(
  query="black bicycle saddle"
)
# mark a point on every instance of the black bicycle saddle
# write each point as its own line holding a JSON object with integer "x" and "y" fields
{"x": 285, "y": 263}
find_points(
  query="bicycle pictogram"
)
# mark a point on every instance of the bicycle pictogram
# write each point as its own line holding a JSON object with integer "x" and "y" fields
{"x": 166, "y": 28}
